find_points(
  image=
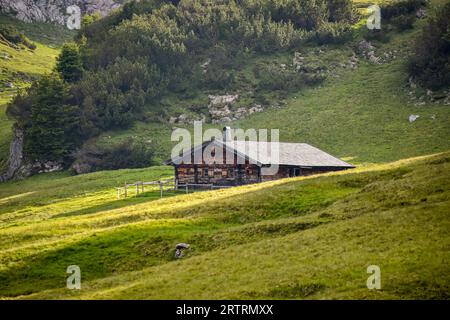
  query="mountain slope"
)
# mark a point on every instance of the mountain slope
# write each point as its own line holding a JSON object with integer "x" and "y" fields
{"x": 359, "y": 113}
{"x": 305, "y": 237}
{"x": 20, "y": 66}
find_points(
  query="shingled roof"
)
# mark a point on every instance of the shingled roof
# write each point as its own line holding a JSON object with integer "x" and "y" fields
{"x": 264, "y": 153}
{"x": 291, "y": 154}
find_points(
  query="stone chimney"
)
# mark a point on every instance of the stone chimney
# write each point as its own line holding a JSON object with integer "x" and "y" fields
{"x": 226, "y": 134}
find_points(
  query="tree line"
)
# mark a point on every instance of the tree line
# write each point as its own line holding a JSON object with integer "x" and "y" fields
{"x": 133, "y": 57}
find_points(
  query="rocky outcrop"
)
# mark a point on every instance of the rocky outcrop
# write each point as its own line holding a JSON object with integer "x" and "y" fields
{"x": 15, "y": 155}
{"x": 28, "y": 169}
{"x": 222, "y": 108}
{"x": 367, "y": 50}
{"x": 19, "y": 168}
{"x": 53, "y": 10}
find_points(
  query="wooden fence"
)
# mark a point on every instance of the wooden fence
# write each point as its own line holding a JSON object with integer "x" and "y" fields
{"x": 171, "y": 185}
{"x": 141, "y": 186}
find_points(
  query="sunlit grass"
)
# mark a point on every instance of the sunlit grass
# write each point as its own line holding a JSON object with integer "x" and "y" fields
{"x": 277, "y": 239}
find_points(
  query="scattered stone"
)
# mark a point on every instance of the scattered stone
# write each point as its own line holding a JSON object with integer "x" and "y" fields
{"x": 365, "y": 46}
{"x": 367, "y": 50}
{"x": 205, "y": 65}
{"x": 413, "y": 118}
{"x": 185, "y": 119}
{"x": 421, "y": 13}
{"x": 353, "y": 62}
{"x": 179, "y": 249}
{"x": 372, "y": 58}
{"x": 222, "y": 100}
{"x": 298, "y": 60}
{"x": 412, "y": 84}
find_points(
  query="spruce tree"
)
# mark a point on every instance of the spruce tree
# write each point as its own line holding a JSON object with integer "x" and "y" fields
{"x": 54, "y": 129}
{"x": 69, "y": 63}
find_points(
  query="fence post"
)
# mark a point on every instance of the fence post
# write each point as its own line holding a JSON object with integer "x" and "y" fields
{"x": 187, "y": 190}
{"x": 125, "y": 190}
{"x": 142, "y": 186}
{"x": 161, "y": 188}
{"x": 137, "y": 188}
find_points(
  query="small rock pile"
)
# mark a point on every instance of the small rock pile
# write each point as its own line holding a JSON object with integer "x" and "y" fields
{"x": 221, "y": 108}
{"x": 367, "y": 50}
{"x": 185, "y": 119}
{"x": 441, "y": 97}
{"x": 298, "y": 61}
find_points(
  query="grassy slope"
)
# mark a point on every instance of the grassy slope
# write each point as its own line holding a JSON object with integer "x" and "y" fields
{"x": 305, "y": 237}
{"x": 25, "y": 65}
{"x": 363, "y": 114}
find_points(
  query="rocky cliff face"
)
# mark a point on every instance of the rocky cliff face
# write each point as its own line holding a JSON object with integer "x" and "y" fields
{"x": 53, "y": 10}
{"x": 15, "y": 156}
{"x": 19, "y": 167}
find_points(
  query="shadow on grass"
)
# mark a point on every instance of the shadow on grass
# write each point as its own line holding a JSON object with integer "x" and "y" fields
{"x": 117, "y": 204}
{"x": 134, "y": 248}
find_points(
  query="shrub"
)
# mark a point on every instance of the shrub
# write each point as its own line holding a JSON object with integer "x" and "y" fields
{"x": 50, "y": 122}
{"x": 430, "y": 64}
{"x": 115, "y": 96}
{"x": 405, "y": 7}
{"x": 128, "y": 154}
{"x": 218, "y": 78}
{"x": 273, "y": 77}
{"x": 333, "y": 33}
{"x": 69, "y": 63}
{"x": 403, "y": 22}
{"x": 376, "y": 35}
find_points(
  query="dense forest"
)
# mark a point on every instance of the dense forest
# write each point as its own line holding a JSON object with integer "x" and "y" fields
{"x": 148, "y": 49}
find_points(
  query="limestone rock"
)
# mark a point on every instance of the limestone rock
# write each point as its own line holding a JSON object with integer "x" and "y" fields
{"x": 298, "y": 61}
{"x": 185, "y": 119}
{"x": 413, "y": 118}
{"x": 221, "y": 108}
{"x": 53, "y": 10}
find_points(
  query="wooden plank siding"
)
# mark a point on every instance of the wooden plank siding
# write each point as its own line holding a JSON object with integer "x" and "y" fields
{"x": 218, "y": 174}
{"x": 234, "y": 175}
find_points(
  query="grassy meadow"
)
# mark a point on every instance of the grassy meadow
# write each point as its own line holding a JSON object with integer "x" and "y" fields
{"x": 309, "y": 237}
{"x": 298, "y": 238}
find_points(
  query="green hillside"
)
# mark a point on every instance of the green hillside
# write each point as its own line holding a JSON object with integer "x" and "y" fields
{"x": 297, "y": 238}
{"x": 360, "y": 114}
{"x": 20, "y": 66}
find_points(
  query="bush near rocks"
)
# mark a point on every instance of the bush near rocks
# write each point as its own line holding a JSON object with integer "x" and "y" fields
{"x": 430, "y": 63}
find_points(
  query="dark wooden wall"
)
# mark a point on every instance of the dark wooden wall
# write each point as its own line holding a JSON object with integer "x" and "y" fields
{"x": 234, "y": 175}
{"x": 217, "y": 174}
